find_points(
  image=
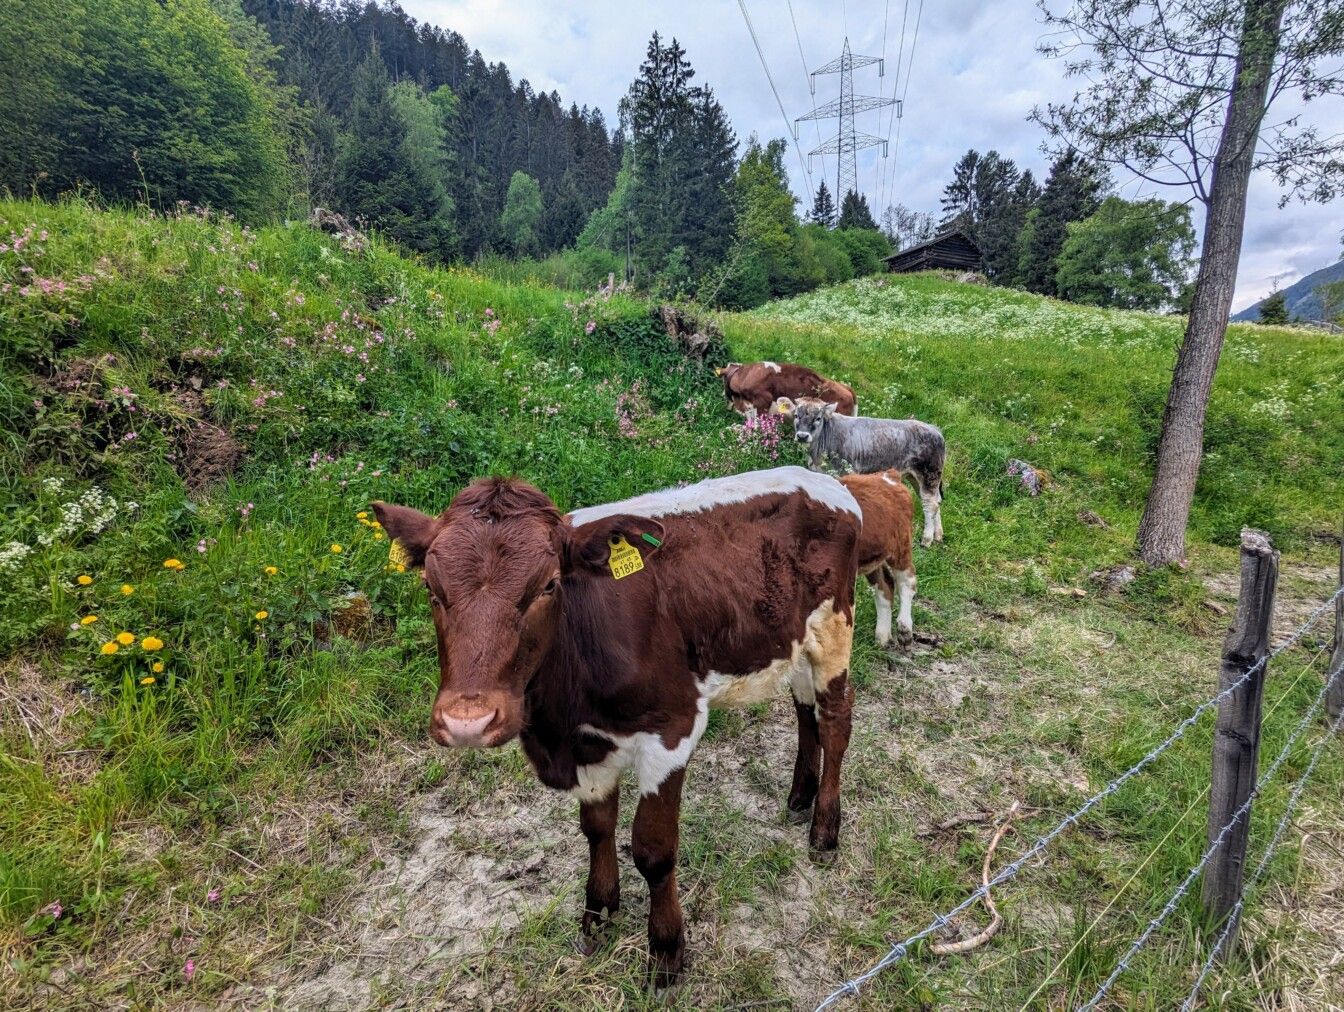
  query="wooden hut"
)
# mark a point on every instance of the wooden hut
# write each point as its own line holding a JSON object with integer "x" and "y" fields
{"x": 952, "y": 251}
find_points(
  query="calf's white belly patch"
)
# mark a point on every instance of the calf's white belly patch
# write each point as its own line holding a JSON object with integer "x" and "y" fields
{"x": 645, "y": 751}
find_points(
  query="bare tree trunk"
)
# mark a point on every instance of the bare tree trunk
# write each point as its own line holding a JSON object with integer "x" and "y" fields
{"x": 1162, "y": 530}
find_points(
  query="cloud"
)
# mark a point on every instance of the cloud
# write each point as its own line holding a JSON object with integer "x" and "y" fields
{"x": 974, "y": 76}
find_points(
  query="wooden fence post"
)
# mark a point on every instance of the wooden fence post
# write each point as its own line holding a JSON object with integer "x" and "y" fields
{"x": 1236, "y": 740}
{"x": 1334, "y": 698}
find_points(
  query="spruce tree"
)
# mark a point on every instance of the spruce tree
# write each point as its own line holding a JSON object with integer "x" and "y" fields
{"x": 520, "y": 223}
{"x": 1274, "y": 310}
{"x": 958, "y": 201}
{"x": 823, "y": 208}
{"x": 682, "y": 163}
{"x": 1072, "y": 192}
{"x": 376, "y": 178}
{"x": 854, "y": 212}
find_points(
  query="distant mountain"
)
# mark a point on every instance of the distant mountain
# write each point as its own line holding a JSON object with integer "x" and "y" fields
{"x": 1300, "y": 297}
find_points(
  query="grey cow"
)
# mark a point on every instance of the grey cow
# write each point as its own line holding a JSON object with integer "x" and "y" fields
{"x": 874, "y": 444}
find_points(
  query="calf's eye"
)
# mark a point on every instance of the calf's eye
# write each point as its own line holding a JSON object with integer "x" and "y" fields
{"x": 552, "y": 585}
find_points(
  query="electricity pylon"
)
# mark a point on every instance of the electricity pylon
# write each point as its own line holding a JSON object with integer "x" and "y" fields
{"x": 848, "y": 140}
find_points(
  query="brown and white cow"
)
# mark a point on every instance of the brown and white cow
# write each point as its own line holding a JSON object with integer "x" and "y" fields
{"x": 746, "y": 585}
{"x": 887, "y": 547}
{"x": 757, "y": 385}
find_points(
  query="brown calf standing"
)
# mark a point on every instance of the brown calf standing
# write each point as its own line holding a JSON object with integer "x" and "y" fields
{"x": 754, "y": 386}
{"x": 887, "y": 547}
{"x": 600, "y": 639}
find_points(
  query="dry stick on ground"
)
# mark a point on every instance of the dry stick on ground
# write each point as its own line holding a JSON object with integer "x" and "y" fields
{"x": 995, "y": 920}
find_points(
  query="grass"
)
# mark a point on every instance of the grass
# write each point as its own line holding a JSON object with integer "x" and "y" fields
{"x": 268, "y": 807}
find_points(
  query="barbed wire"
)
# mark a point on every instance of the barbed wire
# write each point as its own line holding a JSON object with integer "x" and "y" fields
{"x": 1273, "y": 845}
{"x": 1169, "y": 908}
{"x": 901, "y": 949}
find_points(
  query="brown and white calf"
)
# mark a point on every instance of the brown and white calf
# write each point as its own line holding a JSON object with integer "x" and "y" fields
{"x": 887, "y": 547}
{"x": 746, "y": 585}
{"x": 754, "y": 386}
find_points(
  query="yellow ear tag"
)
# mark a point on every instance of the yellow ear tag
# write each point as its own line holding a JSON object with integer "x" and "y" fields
{"x": 625, "y": 558}
{"x": 397, "y": 554}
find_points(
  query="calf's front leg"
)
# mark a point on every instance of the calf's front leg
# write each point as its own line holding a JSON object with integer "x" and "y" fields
{"x": 654, "y": 841}
{"x": 602, "y": 897}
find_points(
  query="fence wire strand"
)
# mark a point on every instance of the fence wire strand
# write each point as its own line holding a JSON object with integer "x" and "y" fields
{"x": 901, "y": 949}
{"x": 1170, "y": 907}
{"x": 1273, "y": 845}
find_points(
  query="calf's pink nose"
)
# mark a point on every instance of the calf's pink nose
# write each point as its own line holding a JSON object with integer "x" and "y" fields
{"x": 466, "y": 732}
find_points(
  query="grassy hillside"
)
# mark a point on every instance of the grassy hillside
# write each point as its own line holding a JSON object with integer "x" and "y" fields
{"x": 220, "y": 808}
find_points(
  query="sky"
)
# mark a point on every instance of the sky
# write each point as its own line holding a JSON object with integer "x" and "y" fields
{"x": 973, "y": 76}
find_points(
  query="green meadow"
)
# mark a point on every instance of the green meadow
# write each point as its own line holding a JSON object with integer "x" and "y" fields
{"x": 215, "y": 785}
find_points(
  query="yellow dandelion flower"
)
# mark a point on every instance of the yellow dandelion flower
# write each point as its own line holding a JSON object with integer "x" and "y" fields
{"x": 157, "y": 667}
{"x": 262, "y": 615}
{"x": 270, "y": 570}
{"x": 88, "y": 620}
{"x": 110, "y": 648}
{"x": 148, "y": 680}
{"x": 378, "y": 535}
{"x": 337, "y": 549}
{"x": 125, "y": 638}
{"x": 84, "y": 579}
{"x": 127, "y": 589}
{"x": 361, "y": 515}
{"x": 376, "y": 526}
{"x": 173, "y": 564}
{"x": 401, "y": 567}
{"x": 151, "y": 643}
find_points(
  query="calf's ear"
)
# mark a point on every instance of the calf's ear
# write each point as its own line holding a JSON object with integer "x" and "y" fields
{"x": 782, "y": 406}
{"x": 829, "y": 409}
{"x": 414, "y": 530}
{"x": 588, "y": 548}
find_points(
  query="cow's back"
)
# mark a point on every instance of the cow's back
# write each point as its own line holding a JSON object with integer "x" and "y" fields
{"x": 750, "y": 567}
{"x": 887, "y": 511}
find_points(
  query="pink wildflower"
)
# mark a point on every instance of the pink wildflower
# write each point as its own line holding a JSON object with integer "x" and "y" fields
{"x": 189, "y": 968}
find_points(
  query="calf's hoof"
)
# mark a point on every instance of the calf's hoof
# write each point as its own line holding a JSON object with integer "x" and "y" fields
{"x": 665, "y": 967}
{"x": 595, "y": 931}
{"x": 905, "y": 638}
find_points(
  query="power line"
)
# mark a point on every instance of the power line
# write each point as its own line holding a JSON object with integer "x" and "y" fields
{"x": 909, "y": 70}
{"x": 882, "y": 67}
{"x": 808, "y": 77}
{"x": 746, "y": 16}
{"x": 895, "y": 86}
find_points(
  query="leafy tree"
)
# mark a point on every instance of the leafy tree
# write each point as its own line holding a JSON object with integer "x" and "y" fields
{"x": 865, "y": 248}
{"x": 145, "y": 100}
{"x": 906, "y": 227}
{"x": 522, "y": 214}
{"x": 854, "y": 212}
{"x": 1072, "y": 191}
{"x": 378, "y": 179}
{"x": 41, "y": 50}
{"x": 426, "y": 144}
{"x": 765, "y": 217}
{"x": 823, "y": 208}
{"x": 1128, "y": 255}
{"x": 1274, "y": 310}
{"x": 1330, "y": 294}
{"x": 1177, "y": 91}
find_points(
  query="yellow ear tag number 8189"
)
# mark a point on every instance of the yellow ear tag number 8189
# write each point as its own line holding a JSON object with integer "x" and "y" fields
{"x": 625, "y": 558}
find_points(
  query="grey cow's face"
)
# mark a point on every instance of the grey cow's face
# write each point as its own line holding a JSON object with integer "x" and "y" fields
{"x": 809, "y": 417}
